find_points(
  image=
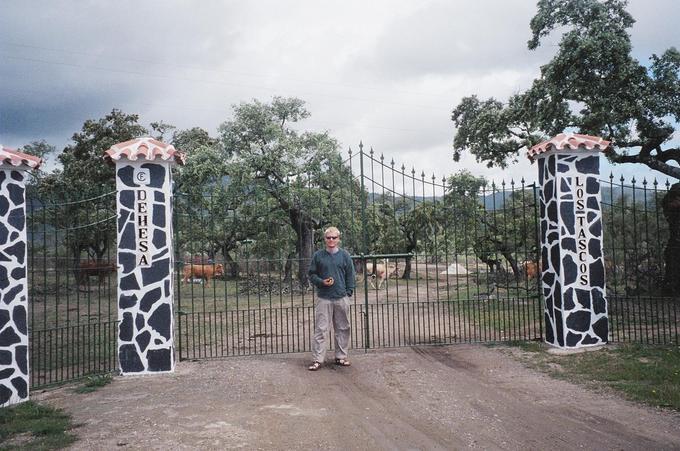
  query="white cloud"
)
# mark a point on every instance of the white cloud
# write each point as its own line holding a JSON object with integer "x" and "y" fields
{"x": 386, "y": 72}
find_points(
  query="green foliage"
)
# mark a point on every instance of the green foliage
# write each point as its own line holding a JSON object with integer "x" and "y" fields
{"x": 161, "y": 128}
{"x": 301, "y": 172}
{"x": 33, "y": 426}
{"x": 218, "y": 207}
{"x": 85, "y": 177}
{"x": 457, "y": 223}
{"x": 39, "y": 149}
{"x": 504, "y": 231}
{"x": 92, "y": 383}
{"x": 634, "y": 237}
{"x": 189, "y": 140}
{"x": 463, "y": 207}
{"x": 42, "y": 150}
{"x": 592, "y": 85}
{"x": 83, "y": 168}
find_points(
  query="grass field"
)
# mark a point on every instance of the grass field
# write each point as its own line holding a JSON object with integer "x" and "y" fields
{"x": 31, "y": 426}
{"x": 645, "y": 373}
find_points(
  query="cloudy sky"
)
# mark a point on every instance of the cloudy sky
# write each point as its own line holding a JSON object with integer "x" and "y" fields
{"x": 385, "y": 72}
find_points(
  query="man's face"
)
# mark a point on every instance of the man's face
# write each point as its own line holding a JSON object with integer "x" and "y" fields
{"x": 331, "y": 240}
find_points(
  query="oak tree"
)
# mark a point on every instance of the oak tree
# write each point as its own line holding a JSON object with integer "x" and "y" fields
{"x": 592, "y": 85}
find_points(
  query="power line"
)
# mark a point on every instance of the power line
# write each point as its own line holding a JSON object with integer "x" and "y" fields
{"x": 221, "y": 72}
{"x": 214, "y": 82}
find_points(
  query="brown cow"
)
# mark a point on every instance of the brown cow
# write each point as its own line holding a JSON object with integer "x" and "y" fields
{"x": 206, "y": 272}
{"x": 87, "y": 269}
{"x": 531, "y": 268}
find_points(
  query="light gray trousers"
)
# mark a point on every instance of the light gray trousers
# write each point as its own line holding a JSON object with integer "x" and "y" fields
{"x": 326, "y": 310}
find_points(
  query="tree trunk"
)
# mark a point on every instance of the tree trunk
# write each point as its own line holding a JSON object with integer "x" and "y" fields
{"x": 304, "y": 245}
{"x": 288, "y": 268}
{"x": 76, "y": 250}
{"x": 671, "y": 210}
{"x": 411, "y": 245}
{"x": 407, "y": 268}
{"x": 99, "y": 251}
{"x": 233, "y": 265}
{"x": 513, "y": 264}
{"x": 305, "y": 248}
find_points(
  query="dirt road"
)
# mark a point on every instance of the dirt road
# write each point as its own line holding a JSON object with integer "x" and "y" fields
{"x": 453, "y": 397}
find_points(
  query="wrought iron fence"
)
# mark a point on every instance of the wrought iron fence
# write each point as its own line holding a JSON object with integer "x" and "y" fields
{"x": 636, "y": 233}
{"x": 72, "y": 311}
{"x": 438, "y": 261}
{"x": 458, "y": 260}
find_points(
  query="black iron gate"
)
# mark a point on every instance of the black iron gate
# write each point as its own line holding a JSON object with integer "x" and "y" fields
{"x": 458, "y": 258}
{"x": 73, "y": 314}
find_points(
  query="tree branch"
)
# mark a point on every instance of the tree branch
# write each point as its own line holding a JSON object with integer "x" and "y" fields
{"x": 668, "y": 155}
{"x": 656, "y": 163}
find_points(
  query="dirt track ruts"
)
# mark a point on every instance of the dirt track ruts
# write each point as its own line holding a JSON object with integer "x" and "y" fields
{"x": 449, "y": 397}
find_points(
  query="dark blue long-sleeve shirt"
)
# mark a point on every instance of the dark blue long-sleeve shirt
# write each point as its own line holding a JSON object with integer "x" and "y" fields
{"x": 339, "y": 266}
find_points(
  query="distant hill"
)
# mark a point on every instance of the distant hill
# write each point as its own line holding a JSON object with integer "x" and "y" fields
{"x": 610, "y": 194}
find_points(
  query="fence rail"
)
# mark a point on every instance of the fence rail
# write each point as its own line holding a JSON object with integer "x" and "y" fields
{"x": 72, "y": 288}
{"x": 460, "y": 258}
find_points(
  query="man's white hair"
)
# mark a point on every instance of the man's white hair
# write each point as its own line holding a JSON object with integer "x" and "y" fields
{"x": 331, "y": 230}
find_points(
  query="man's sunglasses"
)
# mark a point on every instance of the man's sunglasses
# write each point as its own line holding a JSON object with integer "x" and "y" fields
{"x": 331, "y": 237}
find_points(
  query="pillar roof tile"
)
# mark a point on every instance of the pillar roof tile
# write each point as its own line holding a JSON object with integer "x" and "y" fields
{"x": 148, "y": 149}
{"x": 569, "y": 141}
{"x": 12, "y": 157}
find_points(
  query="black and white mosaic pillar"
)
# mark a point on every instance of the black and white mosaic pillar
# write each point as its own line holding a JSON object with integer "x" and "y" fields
{"x": 14, "y": 380}
{"x": 573, "y": 278}
{"x": 145, "y": 263}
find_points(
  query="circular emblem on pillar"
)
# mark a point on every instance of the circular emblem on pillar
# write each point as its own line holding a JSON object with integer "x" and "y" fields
{"x": 142, "y": 176}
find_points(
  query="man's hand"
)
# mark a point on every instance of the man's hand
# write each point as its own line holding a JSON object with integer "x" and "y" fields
{"x": 328, "y": 282}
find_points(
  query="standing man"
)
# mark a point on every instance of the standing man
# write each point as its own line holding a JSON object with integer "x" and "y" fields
{"x": 332, "y": 272}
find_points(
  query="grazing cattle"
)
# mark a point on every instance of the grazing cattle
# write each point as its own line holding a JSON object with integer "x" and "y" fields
{"x": 87, "y": 269}
{"x": 205, "y": 272}
{"x": 531, "y": 268}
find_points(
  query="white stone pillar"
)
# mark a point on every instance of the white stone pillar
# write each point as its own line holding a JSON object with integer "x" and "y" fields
{"x": 573, "y": 279}
{"x": 145, "y": 254}
{"x": 14, "y": 375}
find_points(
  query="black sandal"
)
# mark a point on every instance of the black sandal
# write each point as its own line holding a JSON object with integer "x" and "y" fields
{"x": 314, "y": 366}
{"x": 342, "y": 362}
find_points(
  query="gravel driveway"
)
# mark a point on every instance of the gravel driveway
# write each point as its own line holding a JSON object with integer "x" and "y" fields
{"x": 449, "y": 397}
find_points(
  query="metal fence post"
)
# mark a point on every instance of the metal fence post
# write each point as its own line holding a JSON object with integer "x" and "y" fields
{"x": 145, "y": 254}
{"x": 14, "y": 379}
{"x": 571, "y": 240}
{"x": 364, "y": 246}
